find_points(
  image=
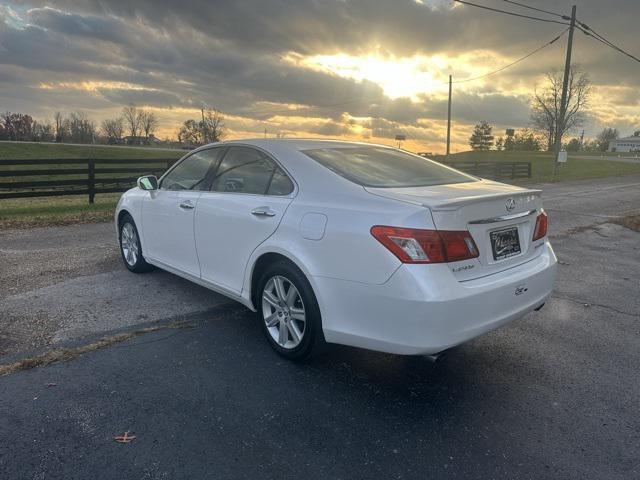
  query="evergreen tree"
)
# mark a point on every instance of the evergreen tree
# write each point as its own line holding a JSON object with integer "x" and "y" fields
{"x": 481, "y": 138}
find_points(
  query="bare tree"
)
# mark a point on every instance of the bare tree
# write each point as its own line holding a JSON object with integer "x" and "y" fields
{"x": 17, "y": 126}
{"x": 42, "y": 131}
{"x": 81, "y": 128}
{"x": 212, "y": 125}
{"x": 112, "y": 128}
{"x": 132, "y": 118}
{"x": 545, "y": 104}
{"x": 148, "y": 123}
{"x": 189, "y": 132}
{"x": 58, "y": 120}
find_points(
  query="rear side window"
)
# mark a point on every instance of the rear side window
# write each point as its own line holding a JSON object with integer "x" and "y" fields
{"x": 246, "y": 170}
{"x": 281, "y": 184}
{"x": 385, "y": 167}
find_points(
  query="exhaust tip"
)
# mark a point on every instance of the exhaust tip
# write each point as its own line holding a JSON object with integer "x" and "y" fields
{"x": 436, "y": 357}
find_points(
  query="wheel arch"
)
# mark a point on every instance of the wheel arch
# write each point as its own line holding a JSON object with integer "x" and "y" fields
{"x": 262, "y": 261}
{"x": 122, "y": 212}
{"x": 121, "y": 215}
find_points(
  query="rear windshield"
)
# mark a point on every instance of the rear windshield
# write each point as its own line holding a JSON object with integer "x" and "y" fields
{"x": 385, "y": 167}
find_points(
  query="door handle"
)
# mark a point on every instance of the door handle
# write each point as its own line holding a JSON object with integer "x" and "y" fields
{"x": 187, "y": 206}
{"x": 263, "y": 212}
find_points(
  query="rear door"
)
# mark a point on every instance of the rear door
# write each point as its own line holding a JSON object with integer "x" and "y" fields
{"x": 168, "y": 213}
{"x": 248, "y": 196}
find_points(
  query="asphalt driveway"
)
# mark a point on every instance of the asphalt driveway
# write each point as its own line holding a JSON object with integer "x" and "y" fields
{"x": 62, "y": 283}
{"x": 554, "y": 395}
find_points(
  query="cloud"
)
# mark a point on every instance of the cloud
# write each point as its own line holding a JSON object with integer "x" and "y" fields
{"x": 233, "y": 55}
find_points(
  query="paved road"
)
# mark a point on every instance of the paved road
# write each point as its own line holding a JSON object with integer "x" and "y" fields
{"x": 555, "y": 395}
{"x": 574, "y": 205}
{"x": 620, "y": 157}
{"x": 65, "y": 282}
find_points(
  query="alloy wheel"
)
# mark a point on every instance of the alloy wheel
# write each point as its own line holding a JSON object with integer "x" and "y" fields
{"x": 129, "y": 244}
{"x": 283, "y": 312}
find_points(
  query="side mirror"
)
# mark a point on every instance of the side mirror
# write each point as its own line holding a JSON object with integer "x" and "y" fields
{"x": 148, "y": 182}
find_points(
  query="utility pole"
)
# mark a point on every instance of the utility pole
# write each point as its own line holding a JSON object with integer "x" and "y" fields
{"x": 449, "y": 119}
{"x": 565, "y": 85}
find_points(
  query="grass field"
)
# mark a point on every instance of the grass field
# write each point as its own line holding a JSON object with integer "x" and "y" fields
{"x": 28, "y": 212}
{"x": 75, "y": 209}
{"x": 46, "y": 211}
{"x": 576, "y": 168}
{"x": 25, "y": 150}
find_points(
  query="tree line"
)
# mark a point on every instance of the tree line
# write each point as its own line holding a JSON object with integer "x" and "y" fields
{"x": 528, "y": 140}
{"x": 134, "y": 126}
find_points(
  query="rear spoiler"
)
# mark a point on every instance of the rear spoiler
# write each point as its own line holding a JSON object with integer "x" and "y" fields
{"x": 454, "y": 203}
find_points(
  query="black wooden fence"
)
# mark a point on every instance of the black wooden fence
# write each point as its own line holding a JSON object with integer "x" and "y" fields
{"x": 28, "y": 178}
{"x": 494, "y": 170}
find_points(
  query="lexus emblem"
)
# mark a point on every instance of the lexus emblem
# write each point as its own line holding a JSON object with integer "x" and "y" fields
{"x": 510, "y": 204}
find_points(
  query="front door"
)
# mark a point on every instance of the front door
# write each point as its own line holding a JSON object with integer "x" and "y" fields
{"x": 248, "y": 196}
{"x": 168, "y": 213}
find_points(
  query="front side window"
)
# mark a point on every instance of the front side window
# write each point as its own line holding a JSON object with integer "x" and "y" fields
{"x": 191, "y": 173}
{"x": 246, "y": 170}
{"x": 385, "y": 167}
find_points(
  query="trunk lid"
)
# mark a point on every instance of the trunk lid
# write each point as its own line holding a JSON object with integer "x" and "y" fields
{"x": 494, "y": 213}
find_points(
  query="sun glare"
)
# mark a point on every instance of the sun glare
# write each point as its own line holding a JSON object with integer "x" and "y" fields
{"x": 398, "y": 77}
{"x": 405, "y": 77}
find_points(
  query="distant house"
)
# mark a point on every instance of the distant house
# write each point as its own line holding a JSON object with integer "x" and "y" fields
{"x": 627, "y": 144}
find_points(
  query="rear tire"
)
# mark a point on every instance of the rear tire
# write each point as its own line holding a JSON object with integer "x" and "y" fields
{"x": 288, "y": 312}
{"x": 130, "y": 246}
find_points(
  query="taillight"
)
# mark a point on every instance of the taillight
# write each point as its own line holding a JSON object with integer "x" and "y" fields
{"x": 541, "y": 227}
{"x": 412, "y": 245}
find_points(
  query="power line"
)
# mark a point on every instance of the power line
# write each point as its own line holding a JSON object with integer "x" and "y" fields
{"x": 537, "y": 9}
{"x": 510, "y": 13}
{"x": 514, "y": 62}
{"x": 590, "y": 32}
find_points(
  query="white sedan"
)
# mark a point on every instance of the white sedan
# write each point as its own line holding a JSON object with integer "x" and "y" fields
{"x": 344, "y": 242}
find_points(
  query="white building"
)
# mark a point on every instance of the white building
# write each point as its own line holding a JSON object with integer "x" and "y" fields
{"x": 627, "y": 144}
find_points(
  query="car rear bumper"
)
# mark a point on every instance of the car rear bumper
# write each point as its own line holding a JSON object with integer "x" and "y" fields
{"x": 424, "y": 309}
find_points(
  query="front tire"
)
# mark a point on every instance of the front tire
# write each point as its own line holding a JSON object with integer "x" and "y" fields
{"x": 288, "y": 312}
{"x": 130, "y": 246}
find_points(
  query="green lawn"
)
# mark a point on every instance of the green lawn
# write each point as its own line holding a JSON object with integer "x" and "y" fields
{"x": 24, "y": 212}
{"x": 25, "y": 150}
{"x": 576, "y": 168}
{"x": 45, "y": 211}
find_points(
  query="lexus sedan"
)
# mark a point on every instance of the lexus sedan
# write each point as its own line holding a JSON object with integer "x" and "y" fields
{"x": 344, "y": 242}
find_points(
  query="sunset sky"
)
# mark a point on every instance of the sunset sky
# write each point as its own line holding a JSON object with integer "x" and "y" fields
{"x": 361, "y": 69}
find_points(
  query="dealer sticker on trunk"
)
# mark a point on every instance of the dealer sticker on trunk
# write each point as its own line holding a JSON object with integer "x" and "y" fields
{"x": 505, "y": 243}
